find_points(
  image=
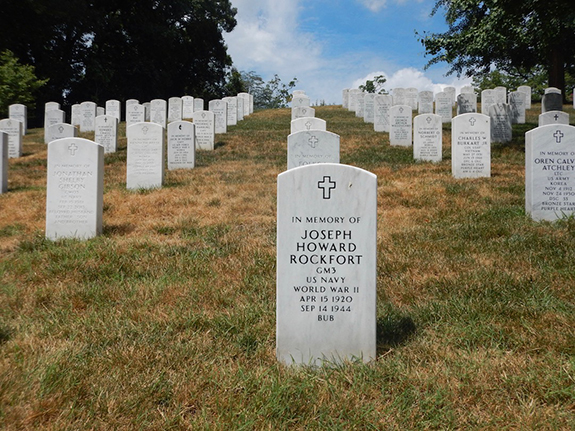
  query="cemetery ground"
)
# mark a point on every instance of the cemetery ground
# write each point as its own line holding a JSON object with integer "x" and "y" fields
{"x": 167, "y": 320}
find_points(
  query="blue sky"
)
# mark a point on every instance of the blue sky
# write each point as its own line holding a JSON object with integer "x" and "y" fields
{"x": 329, "y": 45}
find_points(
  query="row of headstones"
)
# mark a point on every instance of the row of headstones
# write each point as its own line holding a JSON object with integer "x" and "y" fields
{"x": 326, "y": 236}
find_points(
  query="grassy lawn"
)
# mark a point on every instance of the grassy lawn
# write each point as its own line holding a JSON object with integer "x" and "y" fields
{"x": 167, "y": 320}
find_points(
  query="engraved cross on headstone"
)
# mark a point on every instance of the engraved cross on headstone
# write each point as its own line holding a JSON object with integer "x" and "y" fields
{"x": 558, "y": 135}
{"x": 72, "y": 148}
{"x": 313, "y": 141}
{"x": 472, "y": 121}
{"x": 327, "y": 185}
{"x": 308, "y": 125}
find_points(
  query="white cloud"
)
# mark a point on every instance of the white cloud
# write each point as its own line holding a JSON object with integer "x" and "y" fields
{"x": 411, "y": 77}
{"x": 268, "y": 41}
{"x": 374, "y": 5}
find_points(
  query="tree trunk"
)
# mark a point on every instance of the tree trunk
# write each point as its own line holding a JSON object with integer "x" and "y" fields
{"x": 557, "y": 70}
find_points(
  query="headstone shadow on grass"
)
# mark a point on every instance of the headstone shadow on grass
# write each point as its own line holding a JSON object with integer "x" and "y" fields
{"x": 394, "y": 331}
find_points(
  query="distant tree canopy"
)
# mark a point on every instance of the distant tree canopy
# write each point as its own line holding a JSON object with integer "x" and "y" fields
{"x": 267, "y": 95}
{"x": 102, "y": 49}
{"x": 18, "y": 83}
{"x": 374, "y": 85}
{"x": 513, "y": 36}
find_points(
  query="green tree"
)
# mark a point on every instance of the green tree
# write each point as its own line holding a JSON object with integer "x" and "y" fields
{"x": 101, "y": 49}
{"x": 514, "y": 36}
{"x": 267, "y": 95}
{"x": 375, "y": 85}
{"x": 18, "y": 82}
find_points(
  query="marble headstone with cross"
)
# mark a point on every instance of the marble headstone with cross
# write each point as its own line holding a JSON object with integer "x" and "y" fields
{"x": 198, "y": 104}
{"x": 312, "y": 147}
{"x": 553, "y": 117}
{"x": 181, "y": 145}
{"x": 55, "y": 116}
{"x": 488, "y": 98}
{"x": 302, "y": 112}
{"x": 550, "y": 172}
{"x": 526, "y": 89}
{"x": 60, "y": 131}
{"x": 14, "y": 130}
{"x": 400, "y": 125}
{"x": 135, "y": 113}
{"x": 75, "y": 189}
{"x": 326, "y": 265}
{"x": 145, "y": 156}
{"x": 76, "y": 115}
{"x": 411, "y": 97}
{"x": 427, "y": 138}
{"x": 106, "y": 133}
{"x": 307, "y": 124}
{"x": 466, "y": 103}
{"x": 471, "y": 146}
{"x": 205, "y": 130}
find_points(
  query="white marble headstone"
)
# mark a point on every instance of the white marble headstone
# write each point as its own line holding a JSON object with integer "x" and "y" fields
{"x": 369, "y": 108}
{"x": 175, "y": 108}
{"x": 76, "y": 114}
{"x": 114, "y": 109}
{"x": 14, "y": 130}
{"x": 198, "y": 104}
{"x": 427, "y": 138}
{"x": 353, "y": 95}
{"x": 501, "y": 127}
{"x": 411, "y": 97}
{"x": 326, "y": 265}
{"x": 232, "y": 110}
{"x": 425, "y": 102}
{"x": 466, "y": 103}
{"x": 54, "y": 116}
{"x": 553, "y": 117}
{"x": 312, "y": 147}
{"x": 88, "y": 112}
{"x": 307, "y": 124}
{"x": 135, "y": 113}
{"x": 247, "y": 100}
{"x": 205, "y": 130}
{"x": 300, "y": 101}
{"x": 302, "y": 112}
{"x": 220, "y": 109}
{"x": 550, "y": 172}
{"x": 526, "y": 89}
{"x": 106, "y": 133}
{"x": 145, "y": 156}
{"x": 60, "y": 131}
{"x": 240, "y": 108}
{"x": 471, "y": 146}
{"x": 400, "y": 125}
{"x": 382, "y": 106}
{"x": 444, "y": 106}
{"x": 181, "y": 145}
{"x": 518, "y": 106}
{"x": 360, "y": 105}
{"x": 75, "y": 189}
{"x": 19, "y": 112}
{"x": 488, "y": 98}
{"x": 187, "y": 107}
{"x": 158, "y": 112}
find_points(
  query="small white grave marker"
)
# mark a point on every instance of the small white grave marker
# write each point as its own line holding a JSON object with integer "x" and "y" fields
{"x": 205, "y": 130}
{"x": 400, "y": 120}
{"x": 471, "y": 146}
{"x": 145, "y": 156}
{"x": 106, "y": 133}
{"x": 181, "y": 145}
{"x": 427, "y": 138}
{"x": 75, "y": 189}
